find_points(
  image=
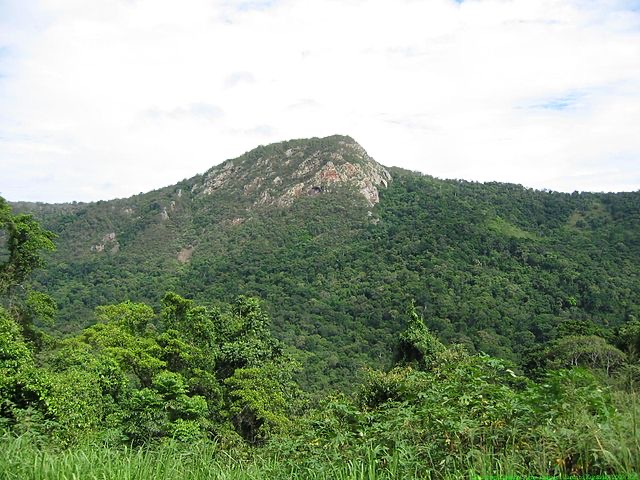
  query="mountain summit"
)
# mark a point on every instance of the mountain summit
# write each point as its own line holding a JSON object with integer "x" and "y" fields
{"x": 282, "y": 172}
{"x": 337, "y": 246}
{"x": 178, "y": 221}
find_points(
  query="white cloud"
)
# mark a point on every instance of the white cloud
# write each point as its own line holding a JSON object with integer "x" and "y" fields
{"x": 109, "y": 98}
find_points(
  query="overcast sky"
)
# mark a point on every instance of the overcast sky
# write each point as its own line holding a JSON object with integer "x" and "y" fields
{"x": 107, "y": 98}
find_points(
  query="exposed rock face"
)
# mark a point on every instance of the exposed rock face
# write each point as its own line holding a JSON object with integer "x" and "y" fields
{"x": 287, "y": 171}
{"x": 216, "y": 178}
{"x": 185, "y": 254}
{"x": 270, "y": 176}
{"x": 109, "y": 243}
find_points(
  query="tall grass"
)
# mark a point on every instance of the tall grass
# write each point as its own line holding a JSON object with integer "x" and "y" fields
{"x": 22, "y": 459}
{"x": 610, "y": 447}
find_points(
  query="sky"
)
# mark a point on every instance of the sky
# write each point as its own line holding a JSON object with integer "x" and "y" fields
{"x": 108, "y": 98}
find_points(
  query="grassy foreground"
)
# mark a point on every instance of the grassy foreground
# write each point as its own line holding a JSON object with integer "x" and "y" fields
{"x": 22, "y": 459}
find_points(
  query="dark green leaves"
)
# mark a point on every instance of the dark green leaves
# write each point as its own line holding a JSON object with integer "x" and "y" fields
{"x": 25, "y": 241}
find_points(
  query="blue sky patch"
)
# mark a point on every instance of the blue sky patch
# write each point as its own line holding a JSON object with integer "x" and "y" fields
{"x": 247, "y": 5}
{"x": 560, "y": 103}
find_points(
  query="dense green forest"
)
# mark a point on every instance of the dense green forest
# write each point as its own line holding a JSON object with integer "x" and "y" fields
{"x": 300, "y": 312}
{"x": 208, "y": 392}
{"x": 499, "y": 268}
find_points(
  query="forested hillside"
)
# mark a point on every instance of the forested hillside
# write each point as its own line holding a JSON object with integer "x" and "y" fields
{"x": 496, "y": 267}
{"x": 410, "y": 278}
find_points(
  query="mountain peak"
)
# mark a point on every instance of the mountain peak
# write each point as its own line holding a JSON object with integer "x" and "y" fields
{"x": 277, "y": 174}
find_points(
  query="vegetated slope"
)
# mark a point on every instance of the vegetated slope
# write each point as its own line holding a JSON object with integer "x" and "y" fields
{"x": 497, "y": 267}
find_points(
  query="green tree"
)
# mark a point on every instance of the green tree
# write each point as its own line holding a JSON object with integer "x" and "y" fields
{"x": 628, "y": 338}
{"x": 25, "y": 389}
{"x": 25, "y": 240}
{"x": 586, "y": 351}
{"x": 263, "y": 400}
{"x": 417, "y": 344}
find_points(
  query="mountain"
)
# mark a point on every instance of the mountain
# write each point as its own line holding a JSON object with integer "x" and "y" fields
{"x": 338, "y": 246}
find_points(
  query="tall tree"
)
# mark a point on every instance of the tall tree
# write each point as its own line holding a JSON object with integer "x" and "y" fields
{"x": 25, "y": 239}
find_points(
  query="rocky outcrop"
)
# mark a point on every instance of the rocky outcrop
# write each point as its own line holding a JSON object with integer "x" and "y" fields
{"x": 109, "y": 243}
{"x": 365, "y": 177}
{"x": 217, "y": 178}
{"x": 285, "y": 172}
{"x": 184, "y": 255}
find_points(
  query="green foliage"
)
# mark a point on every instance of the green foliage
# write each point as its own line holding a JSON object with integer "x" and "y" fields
{"x": 194, "y": 323}
{"x": 133, "y": 317}
{"x": 27, "y": 399}
{"x": 417, "y": 344}
{"x": 25, "y": 240}
{"x": 135, "y": 354}
{"x": 13, "y": 349}
{"x": 248, "y": 341}
{"x": 40, "y": 307}
{"x": 496, "y": 267}
{"x": 628, "y": 338}
{"x": 473, "y": 415}
{"x": 196, "y": 374}
{"x": 547, "y": 282}
{"x": 455, "y": 415}
{"x": 591, "y": 351}
{"x": 262, "y": 400}
{"x": 16, "y": 363}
